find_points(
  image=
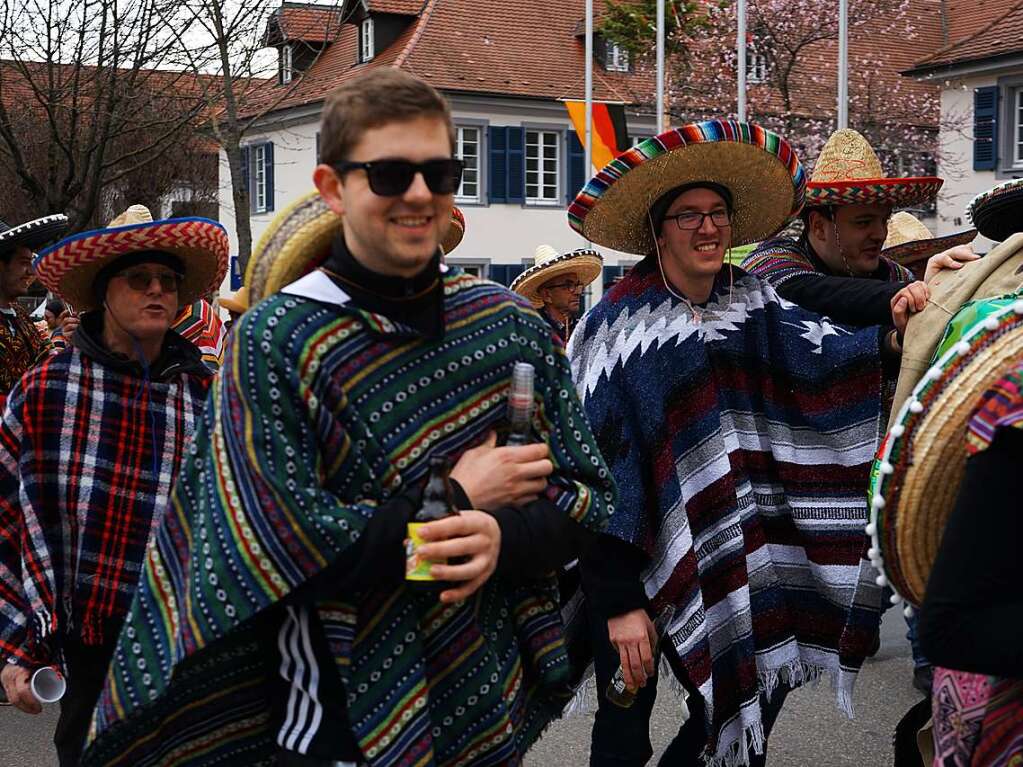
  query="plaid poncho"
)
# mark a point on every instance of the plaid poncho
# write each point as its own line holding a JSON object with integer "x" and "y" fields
{"x": 322, "y": 412}
{"x": 741, "y": 446}
{"x": 78, "y": 495}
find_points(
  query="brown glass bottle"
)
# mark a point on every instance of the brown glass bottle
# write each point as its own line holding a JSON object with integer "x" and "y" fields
{"x": 437, "y": 504}
{"x": 617, "y": 692}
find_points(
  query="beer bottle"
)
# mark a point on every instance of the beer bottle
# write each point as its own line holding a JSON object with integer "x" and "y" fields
{"x": 617, "y": 692}
{"x": 437, "y": 504}
{"x": 520, "y": 405}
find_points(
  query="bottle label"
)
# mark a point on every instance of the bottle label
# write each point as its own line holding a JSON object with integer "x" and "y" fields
{"x": 416, "y": 568}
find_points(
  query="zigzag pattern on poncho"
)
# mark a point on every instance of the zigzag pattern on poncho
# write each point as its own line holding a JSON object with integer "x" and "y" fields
{"x": 321, "y": 413}
{"x": 740, "y": 445}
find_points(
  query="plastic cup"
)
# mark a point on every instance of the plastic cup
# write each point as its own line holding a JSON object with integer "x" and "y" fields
{"x": 48, "y": 685}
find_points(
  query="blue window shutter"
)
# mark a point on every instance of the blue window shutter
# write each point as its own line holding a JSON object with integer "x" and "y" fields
{"x": 497, "y": 143}
{"x": 516, "y": 165}
{"x": 505, "y": 273}
{"x": 268, "y": 173}
{"x": 576, "y": 166}
{"x": 985, "y": 128}
{"x": 236, "y": 274}
{"x": 245, "y": 173}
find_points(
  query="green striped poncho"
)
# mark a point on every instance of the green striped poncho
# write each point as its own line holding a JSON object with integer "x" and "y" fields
{"x": 321, "y": 413}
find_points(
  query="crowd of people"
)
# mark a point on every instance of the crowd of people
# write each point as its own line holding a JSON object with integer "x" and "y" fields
{"x": 205, "y": 527}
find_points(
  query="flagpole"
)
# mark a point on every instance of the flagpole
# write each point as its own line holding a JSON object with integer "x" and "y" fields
{"x": 589, "y": 88}
{"x": 843, "y": 64}
{"x": 660, "y": 66}
{"x": 740, "y": 52}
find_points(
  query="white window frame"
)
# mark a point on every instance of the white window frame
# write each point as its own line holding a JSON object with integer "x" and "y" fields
{"x": 545, "y": 166}
{"x": 287, "y": 64}
{"x": 1017, "y": 128}
{"x": 756, "y": 66}
{"x": 616, "y": 58}
{"x": 460, "y": 141}
{"x": 259, "y": 178}
{"x": 366, "y": 48}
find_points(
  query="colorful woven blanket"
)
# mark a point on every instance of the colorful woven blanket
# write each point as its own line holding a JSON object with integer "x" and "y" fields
{"x": 200, "y": 324}
{"x": 322, "y": 412}
{"x": 21, "y": 347}
{"x": 740, "y": 444}
{"x": 782, "y": 258}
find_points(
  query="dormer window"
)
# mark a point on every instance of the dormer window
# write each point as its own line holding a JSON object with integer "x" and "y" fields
{"x": 287, "y": 64}
{"x": 366, "y": 48}
{"x": 756, "y": 66}
{"x": 616, "y": 58}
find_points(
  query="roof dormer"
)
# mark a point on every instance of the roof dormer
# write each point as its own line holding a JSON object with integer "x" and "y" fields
{"x": 379, "y": 23}
{"x": 300, "y": 32}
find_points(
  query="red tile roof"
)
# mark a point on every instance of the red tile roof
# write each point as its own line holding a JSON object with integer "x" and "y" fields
{"x": 306, "y": 23}
{"x": 402, "y": 7}
{"x": 985, "y": 30}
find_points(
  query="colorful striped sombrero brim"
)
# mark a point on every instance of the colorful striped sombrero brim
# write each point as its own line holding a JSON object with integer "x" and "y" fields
{"x": 895, "y": 192}
{"x": 909, "y": 253}
{"x": 922, "y": 459}
{"x": 757, "y": 166}
{"x": 70, "y": 267}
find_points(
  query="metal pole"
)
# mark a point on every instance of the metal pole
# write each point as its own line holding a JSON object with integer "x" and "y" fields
{"x": 661, "y": 127}
{"x": 843, "y": 64}
{"x": 740, "y": 52}
{"x": 589, "y": 87}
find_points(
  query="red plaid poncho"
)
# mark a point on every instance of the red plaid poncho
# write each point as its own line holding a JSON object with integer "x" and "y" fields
{"x": 78, "y": 493}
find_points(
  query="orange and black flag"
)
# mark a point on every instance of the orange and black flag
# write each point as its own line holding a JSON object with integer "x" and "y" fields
{"x": 610, "y": 135}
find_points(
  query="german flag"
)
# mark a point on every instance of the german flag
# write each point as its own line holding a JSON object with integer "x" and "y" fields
{"x": 610, "y": 135}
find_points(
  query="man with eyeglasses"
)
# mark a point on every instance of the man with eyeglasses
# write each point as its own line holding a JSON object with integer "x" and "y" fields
{"x": 554, "y": 285}
{"x": 291, "y": 636}
{"x": 91, "y": 442}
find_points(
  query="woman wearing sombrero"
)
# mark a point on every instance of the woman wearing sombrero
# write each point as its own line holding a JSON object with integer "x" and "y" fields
{"x": 95, "y": 437}
{"x": 739, "y": 430}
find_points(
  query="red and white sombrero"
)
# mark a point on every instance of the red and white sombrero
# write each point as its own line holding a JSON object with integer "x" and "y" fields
{"x": 70, "y": 267}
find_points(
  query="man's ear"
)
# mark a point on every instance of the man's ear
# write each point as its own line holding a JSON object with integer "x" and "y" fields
{"x": 330, "y": 187}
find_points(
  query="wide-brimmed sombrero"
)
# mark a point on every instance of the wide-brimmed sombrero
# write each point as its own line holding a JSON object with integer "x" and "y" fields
{"x": 998, "y": 212}
{"x": 921, "y": 461}
{"x": 455, "y": 232}
{"x": 548, "y": 264}
{"x": 70, "y": 267}
{"x": 298, "y": 241}
{"x": 33, "y": 234}
{"x": 849, "y": 173}
{"x": 909, "y": 239}
{"x": 757, "y": 166}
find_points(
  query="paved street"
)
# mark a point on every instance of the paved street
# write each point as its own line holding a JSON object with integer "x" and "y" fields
{"x": 810, "y": 733}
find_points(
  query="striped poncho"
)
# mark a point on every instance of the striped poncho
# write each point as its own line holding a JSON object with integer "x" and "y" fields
{"x": 200, "y": 324}
{"x": 741, "y": 445}
{"x": 780, "y": 259}
{"x": 322, "y": 412}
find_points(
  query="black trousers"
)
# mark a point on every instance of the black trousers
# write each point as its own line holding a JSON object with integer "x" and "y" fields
{"x": 621, "y": 736}
{"x": 86, "y": 671}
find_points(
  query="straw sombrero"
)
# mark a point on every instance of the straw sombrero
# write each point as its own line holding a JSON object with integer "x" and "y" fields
{"x": 32, "y": 234}
{"x": 548, "y": 264}
{"x": 998, "y": 212}
{"x": 70, "y": 267}
{"x": 238, "y": 303}
{"x": 849, "y": 173}
{"x": 757, "y": 166}
{"x": 298, "y": 241}
{"x": 909, "y": 240}
{"x": 921, "y": 461}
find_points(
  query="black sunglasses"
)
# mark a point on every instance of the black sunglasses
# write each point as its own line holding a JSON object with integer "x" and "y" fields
{"x": 390, "y": 178}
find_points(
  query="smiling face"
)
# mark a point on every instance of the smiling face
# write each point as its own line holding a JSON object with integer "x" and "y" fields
{"x": 694, "y": 255}
{"x": 853, "y": 240}
{"x": 392, "y": 235}
{"x": 16, "y": 275}
{"x": 144, "y": 312}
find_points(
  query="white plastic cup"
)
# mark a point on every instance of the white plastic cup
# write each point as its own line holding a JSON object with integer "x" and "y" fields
{"x": 48, "y": 684}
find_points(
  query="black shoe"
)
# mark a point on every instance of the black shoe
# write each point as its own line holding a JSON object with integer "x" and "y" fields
{"x": 923, "y": 679}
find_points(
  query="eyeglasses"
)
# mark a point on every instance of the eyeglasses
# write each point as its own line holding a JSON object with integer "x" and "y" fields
{"x": 691, "y": 220}
{"x": 390, "y": 178}
{"x": 141, "y": 279}
{"x": 573, "y": 286}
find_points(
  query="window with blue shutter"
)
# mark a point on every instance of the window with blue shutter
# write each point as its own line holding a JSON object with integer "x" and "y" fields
{"x": 985, "y": 128}
{"x": 245, "y": 171}
{"x": 506, "y": 164}
{"x": 576, "y": 166}
{"x": 236, "y": 274}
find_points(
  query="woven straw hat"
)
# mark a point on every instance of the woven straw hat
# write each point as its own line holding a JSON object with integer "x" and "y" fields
{"x": 298, "y": 241}
{"x": 849, "y": 173}
{"x": 757, "y": 166}
{"x": 238, "y": 303}
{"x": 998, "y": 212}
{"x": 921, "y": 461}
{"x": 548, "y": 264}
{"x": 909, "y": 240}
{"x": 70, "y": 267}
{"x": 32, "y": 234}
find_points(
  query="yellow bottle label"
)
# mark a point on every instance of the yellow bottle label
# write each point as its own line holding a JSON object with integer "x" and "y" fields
{"x": 416, "y": 568}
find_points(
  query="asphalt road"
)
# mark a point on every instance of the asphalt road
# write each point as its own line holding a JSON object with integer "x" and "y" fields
{"x": 811, "y": 731}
